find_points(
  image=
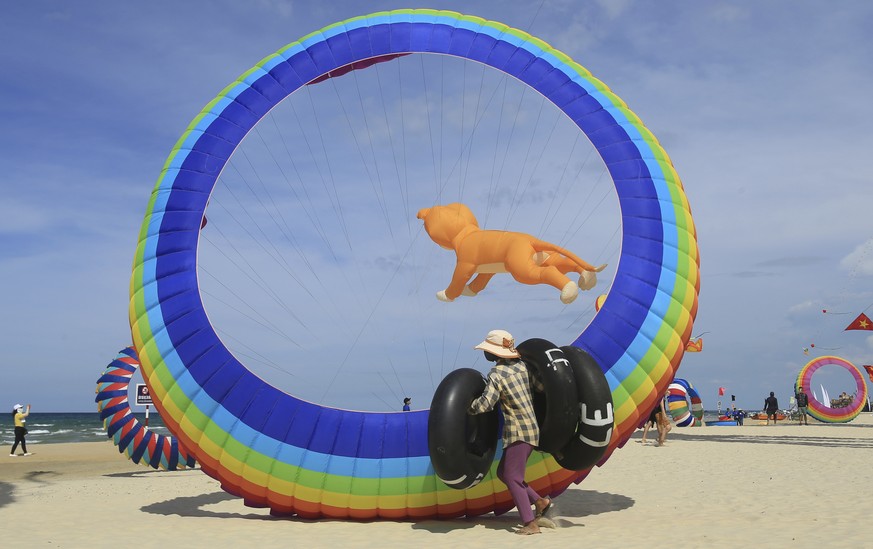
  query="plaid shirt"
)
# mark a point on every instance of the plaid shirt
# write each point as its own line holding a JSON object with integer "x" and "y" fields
{"x": 509, "y": 382}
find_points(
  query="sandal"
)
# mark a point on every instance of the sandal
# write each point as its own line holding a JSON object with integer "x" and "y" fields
{"x": 545, "y": 509}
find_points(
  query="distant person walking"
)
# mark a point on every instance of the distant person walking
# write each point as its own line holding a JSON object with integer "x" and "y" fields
{"x": 19, "y": 417}
{"x": 802, "y": 405}
{"x": 771, "y": 406}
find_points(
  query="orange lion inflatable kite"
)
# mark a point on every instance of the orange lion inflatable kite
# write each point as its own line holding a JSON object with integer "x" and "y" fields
{"x": 485, "y": 253}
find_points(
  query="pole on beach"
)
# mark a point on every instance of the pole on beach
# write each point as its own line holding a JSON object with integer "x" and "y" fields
{"x": 147, "y": 416}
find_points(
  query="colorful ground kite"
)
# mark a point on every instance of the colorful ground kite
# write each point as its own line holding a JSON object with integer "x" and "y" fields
{"x": 822, "y": 411}
{"x": 131, "y": 437}
{"x": 680, "y": 392}
{"x": 296, "y": 457}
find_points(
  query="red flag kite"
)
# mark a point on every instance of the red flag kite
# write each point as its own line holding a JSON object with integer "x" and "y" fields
{"x": 869, "y": 371}
{"x": 863, "y": 322}
{"x": 721, "y": 391}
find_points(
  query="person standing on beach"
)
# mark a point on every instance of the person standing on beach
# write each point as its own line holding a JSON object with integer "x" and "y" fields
{"x": 406, "y": 402}
{"x": 509, "y": 383}
{"x": 18, "y": 416}
{"x": 771, "y": 406}
{"x": 802, "y": 405}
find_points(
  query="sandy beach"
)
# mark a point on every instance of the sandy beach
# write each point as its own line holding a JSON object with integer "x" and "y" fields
{"x": 783, "y": 485}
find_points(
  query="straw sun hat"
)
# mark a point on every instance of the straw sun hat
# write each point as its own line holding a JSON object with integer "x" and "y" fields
{"x": 500, "y": 343}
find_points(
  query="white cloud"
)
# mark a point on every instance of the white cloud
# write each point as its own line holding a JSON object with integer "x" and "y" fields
{"x": 860, "y": 261}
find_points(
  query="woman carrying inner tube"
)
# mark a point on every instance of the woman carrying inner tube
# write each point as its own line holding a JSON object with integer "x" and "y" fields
{"x": 509, "y": 383}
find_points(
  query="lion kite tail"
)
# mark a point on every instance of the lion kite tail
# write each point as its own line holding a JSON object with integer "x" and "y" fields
{"x": 543, "y": 246}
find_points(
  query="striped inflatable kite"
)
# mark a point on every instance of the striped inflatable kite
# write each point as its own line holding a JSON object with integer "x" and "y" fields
{"x": 822, "y": 410}
{"x": 296, "y": 457}
{"x": 680, "y": 392}
{"x": 131, "y": 437}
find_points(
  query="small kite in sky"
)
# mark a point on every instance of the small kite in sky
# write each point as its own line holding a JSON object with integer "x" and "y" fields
{"x": 863, "y": 322}
{"x": 694, "y": 345}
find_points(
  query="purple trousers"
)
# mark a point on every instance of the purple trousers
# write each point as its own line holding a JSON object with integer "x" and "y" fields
{"x": 511, "y": 471}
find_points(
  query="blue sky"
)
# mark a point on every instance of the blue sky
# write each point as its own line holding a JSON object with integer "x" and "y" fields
{"x": 764, "y": 110}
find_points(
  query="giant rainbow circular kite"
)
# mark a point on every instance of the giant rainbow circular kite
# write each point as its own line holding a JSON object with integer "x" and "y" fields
{"x": 821, "y": 411}
{"x": 296, "y": 457}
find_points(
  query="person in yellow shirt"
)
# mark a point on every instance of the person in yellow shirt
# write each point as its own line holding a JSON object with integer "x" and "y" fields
{"x": 20, "y": 415}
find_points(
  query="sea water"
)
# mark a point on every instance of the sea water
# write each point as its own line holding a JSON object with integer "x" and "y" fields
{"x": 54, "y": 428}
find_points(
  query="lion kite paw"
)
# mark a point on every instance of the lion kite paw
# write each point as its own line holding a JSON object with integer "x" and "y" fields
{"x": 441, "y": 295}
{"x": 587, "y": 280}
{"x": 569, "y": 293}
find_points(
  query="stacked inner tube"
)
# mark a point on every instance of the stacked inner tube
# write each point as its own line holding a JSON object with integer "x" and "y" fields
{"x": 596, "y": 419}
{"x": 574, "y": 413}
{"x": 679, "y": 393}
{"x": 462, "y": 446}
{"x": 557, "y": 407}
{"x": 132, "y": 438}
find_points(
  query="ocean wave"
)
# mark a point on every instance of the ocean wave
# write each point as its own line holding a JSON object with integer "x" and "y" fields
{"x": 43, "y": 431}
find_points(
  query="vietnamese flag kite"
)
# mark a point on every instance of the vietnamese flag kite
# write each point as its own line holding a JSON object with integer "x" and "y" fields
{"x": 869, "y": 371}
{"x": 863, "y": 322}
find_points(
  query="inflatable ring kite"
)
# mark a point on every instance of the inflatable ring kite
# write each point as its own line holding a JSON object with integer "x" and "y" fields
{"x": 557, "y": 407}
{"x": 461, "y": 446}
{"x": 132, "y": 438}
{"x": 821, "y": 411}
{"x": 296, "y": 457}
{"x": 596, "y": 420}
{"x": 680, "y": 392}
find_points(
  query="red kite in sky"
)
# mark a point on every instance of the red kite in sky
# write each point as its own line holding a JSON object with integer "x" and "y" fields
{"x": 863, "y": 322}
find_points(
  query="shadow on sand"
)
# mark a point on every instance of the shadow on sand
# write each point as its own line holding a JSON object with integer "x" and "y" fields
{"x": 761, "y": 438}
{"x": 572, "y": 503}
